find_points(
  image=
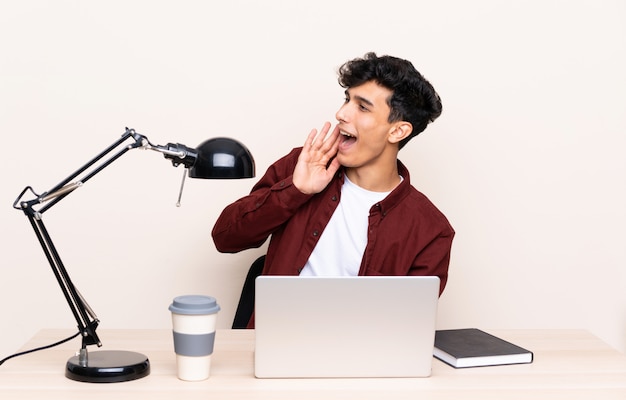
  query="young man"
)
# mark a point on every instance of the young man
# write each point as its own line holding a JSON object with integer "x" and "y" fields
{"x": 343, "y": 203}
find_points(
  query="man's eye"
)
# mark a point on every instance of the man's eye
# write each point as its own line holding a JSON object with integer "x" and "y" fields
{"x": 363, "y": 108}
{"x": 346, "y": 99}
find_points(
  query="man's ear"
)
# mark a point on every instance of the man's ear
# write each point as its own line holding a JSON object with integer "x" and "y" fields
{"x": 399, "y": 131}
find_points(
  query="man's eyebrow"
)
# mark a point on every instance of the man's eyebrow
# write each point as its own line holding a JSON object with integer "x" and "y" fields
{"x": 361, "y": 99}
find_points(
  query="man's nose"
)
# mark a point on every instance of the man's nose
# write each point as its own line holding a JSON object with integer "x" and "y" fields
{"x": 342, "y": 113}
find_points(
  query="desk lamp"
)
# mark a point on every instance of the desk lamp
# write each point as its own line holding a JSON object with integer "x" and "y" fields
{"x": 218, "y": 158}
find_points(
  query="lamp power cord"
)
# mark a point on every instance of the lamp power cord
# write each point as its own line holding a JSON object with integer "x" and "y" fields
{"x": 39, "y": 348}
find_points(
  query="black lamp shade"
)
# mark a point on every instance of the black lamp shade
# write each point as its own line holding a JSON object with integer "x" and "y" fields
{"x": 222, "y": 158}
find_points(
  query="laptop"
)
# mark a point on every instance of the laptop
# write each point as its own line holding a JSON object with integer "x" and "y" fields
{"x": 345, "y": 327}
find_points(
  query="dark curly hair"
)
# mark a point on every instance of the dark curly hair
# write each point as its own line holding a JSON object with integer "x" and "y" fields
{"x": 413, "y": 100}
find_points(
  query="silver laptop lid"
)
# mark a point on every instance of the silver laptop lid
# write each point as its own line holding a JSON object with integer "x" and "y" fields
{"x": 345, "y": 326}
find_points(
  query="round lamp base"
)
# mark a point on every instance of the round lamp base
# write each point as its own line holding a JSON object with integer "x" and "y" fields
{"x": 108, "y": 366}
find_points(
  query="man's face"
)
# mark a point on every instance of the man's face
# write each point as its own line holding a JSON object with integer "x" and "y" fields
{"x": 363, "y": 122}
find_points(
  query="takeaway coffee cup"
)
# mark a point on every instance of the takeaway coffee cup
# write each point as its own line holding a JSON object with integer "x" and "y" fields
{"x": 193, "y": 320}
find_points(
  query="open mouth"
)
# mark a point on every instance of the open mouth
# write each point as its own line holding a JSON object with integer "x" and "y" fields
{"x": 348, "y": 139}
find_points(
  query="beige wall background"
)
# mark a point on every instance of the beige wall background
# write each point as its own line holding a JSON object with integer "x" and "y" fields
{"x": 527, "y": 161}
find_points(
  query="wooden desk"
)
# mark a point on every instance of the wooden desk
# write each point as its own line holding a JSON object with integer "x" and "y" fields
{"x": 569, "y": 364}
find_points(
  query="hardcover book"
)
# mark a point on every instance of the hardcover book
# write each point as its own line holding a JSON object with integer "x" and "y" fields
{"x": 471, "y": 347}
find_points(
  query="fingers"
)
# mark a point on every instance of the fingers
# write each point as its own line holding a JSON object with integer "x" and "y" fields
{"x": 323, "y": 143}
{"x": 331, "y": 144}
{"x": 310, "y": 139}
{"x": 332, "y": 140}
{"x": 317, "y": 140}
{"x": 324, "y": 138}
{"x": 324, "y": 131}
{"x": 317, "y": 163}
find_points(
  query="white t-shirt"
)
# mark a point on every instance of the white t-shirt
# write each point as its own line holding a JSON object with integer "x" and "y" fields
{"x": 339, "y": 250}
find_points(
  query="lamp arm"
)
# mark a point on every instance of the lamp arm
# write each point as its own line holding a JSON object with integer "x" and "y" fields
{"x": 85, "y": 317}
